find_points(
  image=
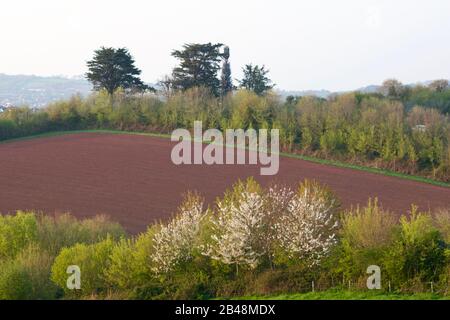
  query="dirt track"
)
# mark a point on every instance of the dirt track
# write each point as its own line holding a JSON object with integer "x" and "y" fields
{"x": 132, "y": 179}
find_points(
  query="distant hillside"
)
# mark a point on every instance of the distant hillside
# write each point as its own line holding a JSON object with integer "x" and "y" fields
{"x": 325, "y": 93}
{"x": 369, "y": 89}
{"x": 317, "y": 93}
{"x": 37, "y": 91}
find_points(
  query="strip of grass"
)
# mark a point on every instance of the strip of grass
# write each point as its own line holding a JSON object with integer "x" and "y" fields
{"x": 349, "y": 295}
{"x": 62, "y": 133}
{"x": 367, "y": 169}
{"x": 284, "y": 154}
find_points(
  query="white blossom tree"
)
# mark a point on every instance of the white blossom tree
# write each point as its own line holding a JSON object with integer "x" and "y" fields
{"x": 250, "y": 224}
{"x": 237, "y": 231}
{"x": 175, "y": 242}
{"x": 276, "y": 203}
{"x": 307, "y": 228}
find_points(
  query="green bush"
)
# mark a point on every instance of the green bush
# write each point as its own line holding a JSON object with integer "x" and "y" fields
{"x": 27, "y": 276}
{"x": 442, "y": 222}
{"x": 54, "y": 233}
{"x": 16, "y": 232}
{"x": 8, "y": 129}
{"x": 193, "y": 284}
{"x": 418, "y": 251}
{"x": 442, "y": 219}
{"x": 29, "y": 244}
{"x": 93, "y": 261}
{"x": 295, "y": 278}
{"x": 121, "y": 272}
{"x": 131, "y": 262}
{"x": 366, "y": 235}
{"x": 14, "y": 281}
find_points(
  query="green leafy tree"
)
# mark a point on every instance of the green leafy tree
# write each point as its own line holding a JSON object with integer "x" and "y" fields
{"x": 226, "y": 83}
{"x": 112, "y": 68}
{"x": 16, "y": 232}
{"x": 255, "y": 79}
{"x": 199, "y": 65}
{"x": 393, "y": 88}
{"x": 418, "y": 252}
{"x": 93, "y": 260}
{"x": 439, "y": 85}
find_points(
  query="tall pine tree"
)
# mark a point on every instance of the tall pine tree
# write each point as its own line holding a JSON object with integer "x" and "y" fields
{"x": 112, "y": 68}
{"x": 255, "y": 79}
{"x": 199, "y": 64}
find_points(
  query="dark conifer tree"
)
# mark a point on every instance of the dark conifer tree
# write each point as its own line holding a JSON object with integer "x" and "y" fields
{"x": 226, "y": 83}
{"x": 255, "y": 79}
{"x": 199, "y": 65}
{"x": 112, "y": 68}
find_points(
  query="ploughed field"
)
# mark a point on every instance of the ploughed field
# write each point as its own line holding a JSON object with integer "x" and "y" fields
{"x": 132, "y": 179}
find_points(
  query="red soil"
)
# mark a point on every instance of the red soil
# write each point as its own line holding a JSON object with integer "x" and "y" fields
{"x": 131, "y": 178}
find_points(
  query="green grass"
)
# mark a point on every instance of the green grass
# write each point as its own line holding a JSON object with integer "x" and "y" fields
{"x": 62, "y": 133}
{"x": 367, "y": 169}
{"x": 284, "y": 154}
{"x": 349, "y": 295}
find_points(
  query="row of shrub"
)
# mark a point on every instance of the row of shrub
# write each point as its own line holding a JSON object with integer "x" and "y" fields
{"x": 252, "y": 241}
{"x": 361, "y": 128}
{"x": 29, "y": 244}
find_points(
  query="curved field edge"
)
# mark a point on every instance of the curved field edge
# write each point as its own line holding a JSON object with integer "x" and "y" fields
{"x": 349, "y": 295}
{"x": 283, "y": 154}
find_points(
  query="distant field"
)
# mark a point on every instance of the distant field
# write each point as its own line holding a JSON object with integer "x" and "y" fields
{"x": 132, "y": 179}
{"x": 284, "y": 154}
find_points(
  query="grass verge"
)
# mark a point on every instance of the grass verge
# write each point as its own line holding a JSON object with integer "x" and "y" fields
{"x": 349, "y": 295}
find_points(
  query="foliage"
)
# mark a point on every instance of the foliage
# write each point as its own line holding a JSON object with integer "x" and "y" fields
{"x": 27, "y": 276}
{"x": 14, "y": 281}
{"x": 16, "y": 233}
{"x": 442, "y": 223}
{"x": 439, "y": 85}
{"x": 30, "y": 242}
{"x": 366, "y": 235}
{"x": 93, "y": 261}
{"x": 238, "y": 226}
{"x": 55, "y": 233}
{"x": 360, "y": 129}
{"x": 226, "y": 82}
{"x": 255, "y": 79}
{"x": 174, "y": 243}
{"x": 111, "y": 69}
{"x": 199, "y": 64}
{"x": 418, "y": 250}
{"x": 283, "y": 242}
{"x": 307, "y": 229}
{"x": 131, "y": 267}
{"x": 393, "y": 89}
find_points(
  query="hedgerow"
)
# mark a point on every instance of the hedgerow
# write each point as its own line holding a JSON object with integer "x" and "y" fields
{"x": 252, "y": 241}
{"x": 363, "y": 129}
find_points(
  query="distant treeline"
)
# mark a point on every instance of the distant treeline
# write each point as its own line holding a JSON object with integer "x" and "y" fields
{"x": 379, "y": 130}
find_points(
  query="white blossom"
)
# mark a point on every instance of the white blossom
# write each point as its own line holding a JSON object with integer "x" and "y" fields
{"x": 237, "y": 231}
{"x": 306, "y": 229}
{"x": 278, "y": 199}
{"x": 175, "y": 242}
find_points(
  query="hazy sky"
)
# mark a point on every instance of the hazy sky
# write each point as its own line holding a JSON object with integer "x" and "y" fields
{"x": 335, "y": 45}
